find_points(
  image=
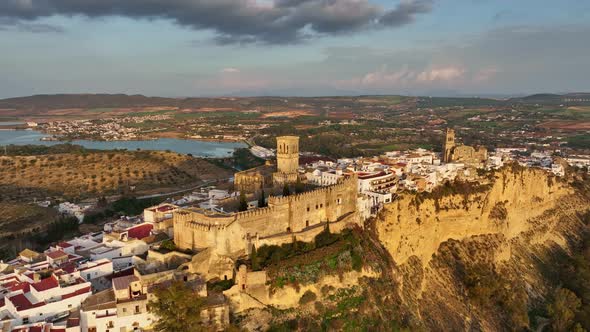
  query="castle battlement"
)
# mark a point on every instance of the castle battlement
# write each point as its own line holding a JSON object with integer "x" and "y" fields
{"x": 343, "y": 184}
{"x": 254, "y": 213}
{"x": 232, "y": 232}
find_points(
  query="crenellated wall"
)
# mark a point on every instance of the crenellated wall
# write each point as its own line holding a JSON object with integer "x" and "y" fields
{"x": 234, "y": 233}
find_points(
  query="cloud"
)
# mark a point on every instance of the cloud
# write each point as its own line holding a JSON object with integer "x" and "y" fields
{"x": 406, "y": 12}
{"x": 7, "y": 23}
{"x": 441, "y": 74}
{"x": 236, "y": 21}
{"x": 406, "y": 77}
{"x": 230, "y": 70}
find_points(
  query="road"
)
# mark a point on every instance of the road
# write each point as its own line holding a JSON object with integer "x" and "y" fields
{"x": 204, "y": 184}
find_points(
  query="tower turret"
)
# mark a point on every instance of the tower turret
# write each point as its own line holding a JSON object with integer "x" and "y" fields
{"x": 448, "y": 145}
{"x": 287, "y": 159}
{"x": 287, "y": 154}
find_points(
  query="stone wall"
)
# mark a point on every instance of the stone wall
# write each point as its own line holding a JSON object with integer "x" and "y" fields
{"x": 234, "y": 233}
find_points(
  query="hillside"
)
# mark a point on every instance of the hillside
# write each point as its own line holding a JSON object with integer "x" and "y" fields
{"x": 555, "y": 99}
{"x": 488, "y": 257}
{"x": 39, "y": 103}
{"x": 483, "y": 257}
{"x": 82, "y": 172}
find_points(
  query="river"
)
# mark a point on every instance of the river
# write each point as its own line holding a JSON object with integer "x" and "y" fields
{"x": 195, "y": 147}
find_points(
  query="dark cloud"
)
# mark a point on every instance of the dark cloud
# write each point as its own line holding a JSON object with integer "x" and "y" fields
{"x": 235, "y": 21}
{"x": 8, "y": 23}
{"x": 406, "y": 12}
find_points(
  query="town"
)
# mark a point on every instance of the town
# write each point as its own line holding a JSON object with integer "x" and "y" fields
{"x": 105, "y": 280}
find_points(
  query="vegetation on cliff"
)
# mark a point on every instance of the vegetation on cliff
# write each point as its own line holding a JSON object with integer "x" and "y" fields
{"x": 178, "y": 308}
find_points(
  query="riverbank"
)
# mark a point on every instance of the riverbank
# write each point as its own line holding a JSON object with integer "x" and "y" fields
{"x": 194, "y": 147}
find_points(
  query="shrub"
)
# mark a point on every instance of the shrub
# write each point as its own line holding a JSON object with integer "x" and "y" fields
{"x": 307, "y": 297}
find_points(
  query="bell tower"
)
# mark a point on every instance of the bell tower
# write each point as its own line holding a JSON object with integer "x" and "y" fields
{"x": 448, "y": 145}
{"x": 287, "y": 160}
{"x": 287, "y": 154}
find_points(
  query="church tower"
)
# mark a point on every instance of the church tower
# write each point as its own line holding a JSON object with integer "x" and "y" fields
{"x": 448, "y": 145}
{"x": 287, "y": 154}
{"x": 287, "y": 159}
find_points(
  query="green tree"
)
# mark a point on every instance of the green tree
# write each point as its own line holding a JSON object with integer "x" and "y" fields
{"x": 286, "y": 191}
{"x": 254, "y": 260}
{"x": 168, "y": 245}
{"x": 178, "y": 308}
{"x": 243, "y": 203}
{"x": 563, "y": 309}
{"x": 261, "y": 199}
{"x": 299, "y": 187}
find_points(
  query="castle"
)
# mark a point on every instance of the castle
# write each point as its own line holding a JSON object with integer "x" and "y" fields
{"x": 459, "y": 153}
{"x": 298, "y": 216}
{"x": 268, "y": 175}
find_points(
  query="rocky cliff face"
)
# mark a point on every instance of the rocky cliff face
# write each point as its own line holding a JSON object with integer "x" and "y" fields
{"x": 459, "y": 247}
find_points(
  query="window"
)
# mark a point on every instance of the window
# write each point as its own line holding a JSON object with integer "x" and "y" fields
{"x": 136, "y": 309}
{"x": 307, "y": 223}
{"x": 308, "y": 209}
{"x": 124, "y": 309}
{"x": 321, "y": 205}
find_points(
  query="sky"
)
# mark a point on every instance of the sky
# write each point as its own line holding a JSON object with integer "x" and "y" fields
{"x": 181, "y": 48}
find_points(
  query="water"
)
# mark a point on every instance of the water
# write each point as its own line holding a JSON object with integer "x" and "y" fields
{"x": 194, "y": 147}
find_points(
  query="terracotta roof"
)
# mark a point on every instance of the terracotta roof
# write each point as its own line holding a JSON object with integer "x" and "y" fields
{"x": 164, "y": 208}
{"x": 140, "y": 231}
{"x": 21, "y": 302}
{"x": 24, "y": 286}
{"x": 57, "y": 254}
{"x": 68, "y": 267}
{"x": 64, "y": 245}
{"x": 45, "y": 284}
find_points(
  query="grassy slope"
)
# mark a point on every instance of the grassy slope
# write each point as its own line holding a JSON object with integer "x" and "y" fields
{"x": 83, "y": 174}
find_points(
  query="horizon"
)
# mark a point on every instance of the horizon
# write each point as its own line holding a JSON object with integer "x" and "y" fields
{"x": 291, "y": 48}
{"x": 465, "y": 96}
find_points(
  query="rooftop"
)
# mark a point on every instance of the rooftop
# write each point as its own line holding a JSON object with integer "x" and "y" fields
{"x": 28, "y": 253}
{"x": 45, "y": 284}
{"x": 57, "y": 254}
{"x": 123, "y": 282}
{"x": 100, "y": 301}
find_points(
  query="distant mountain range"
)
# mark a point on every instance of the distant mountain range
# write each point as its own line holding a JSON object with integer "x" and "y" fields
{"x": 65, "y": 101}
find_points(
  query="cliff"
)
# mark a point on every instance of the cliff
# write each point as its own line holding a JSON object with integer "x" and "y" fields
{"x": 445, "y": 244}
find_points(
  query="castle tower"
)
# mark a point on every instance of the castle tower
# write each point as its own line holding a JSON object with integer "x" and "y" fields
{"x": 287, "y": 159}
{"x": 448, "y": 145}
{"x": 287, "y": 154}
